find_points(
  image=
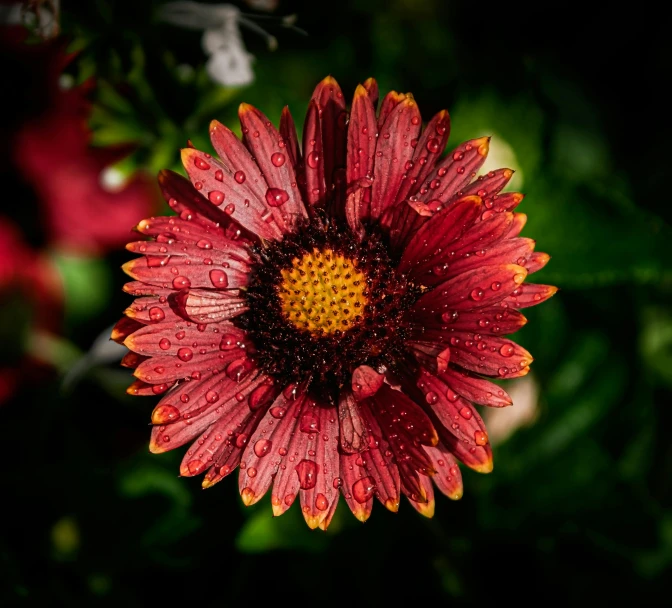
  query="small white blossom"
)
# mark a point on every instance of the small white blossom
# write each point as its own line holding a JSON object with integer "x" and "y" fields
{"x": 229, "y": 63}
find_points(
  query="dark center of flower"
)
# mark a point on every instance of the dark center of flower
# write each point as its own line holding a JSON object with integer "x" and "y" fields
{"x": 321, "y": 304}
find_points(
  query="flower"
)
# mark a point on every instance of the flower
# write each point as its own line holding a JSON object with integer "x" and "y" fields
{"x": 229, "y": 63}
{"x": 53, "y": 153}
{"x": 325, "y": 316}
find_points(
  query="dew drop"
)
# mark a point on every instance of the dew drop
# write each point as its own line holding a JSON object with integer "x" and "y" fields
{"x": 465, "y": 412}
{"x": 278, "y": 412}
{"x": 164, "y": 344}
{"x": 164, "y": 414}
{"x": 262, "y": 447}
{"x": 216, "y": 197}
{"x": 431, "y": 397}
{"x": 185, "y": 354}
{"x": 156, "y": 314}
{"x": 477, "y": 294}
{"x": 229, "y": 209}
{"x": 219, "y": 279}
{"x": 433, "y": 145}
{"x": 310, "y": 423}
{"x": 278, "y": 159}
{"x": 363, "y": 489}
{"x": 506, "y": 350}
{"x": 480, "y": 438}
{"x": 201, "y": 164}
{"x": 307, "y": 472}
{"x": 211, "y": 396}
{"x": 276, "y": 197}
{"x": 239, "y": 176}
{"x": 313, "y": 159}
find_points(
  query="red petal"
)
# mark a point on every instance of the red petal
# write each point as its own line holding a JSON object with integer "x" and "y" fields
{"x": 493, "y": 320}
{"x": 445, "y": 227}
{"x": 404, "y": 425}
{"x": 427, "y": 506}
{"x": 267, "y": 449}
{"x": 220, "y": 445}
{"x": 208, "y": 306}
{"x": 366, "y": 382}
{"x": 357, "y": 487}
{"x": 179, "y": 350}
{"x": 242, "y": 173}
{"x": 190, "y": 268}
{"x": 378, "y": 461}
{"x": 491, "y": 356}
{"x": 476, "y": 389}
{"x": 530, "y": 294}
{"x": 288, "y": 134}
{"x": 459, "y": 420}
{"x": 456, "y": 170}
{"x": 427, "y": 152}
{"x": 434, "y": 356}
{"x": 264, "y": 141}
{"x": 393, "y": 151}
{"x": 169, "y": 229}
{"x": 390, "y": 101}
{"x": 448, "y": 477}
{"x": 352, "y": 435}
{"x": 286, "y": 485}
{"x": 142, "y": 389}
{"x": 536, "y": 261}
{"x": 503, "y": 251}
{"x": 489, "y": 185}
{"x": 191, "y": 407}
{"x": 471, "y": 290}
{"x": 330, "y": 100}
{"x": 187, "y": 202}
{"x": 315, "y": 188}
{"x": 323, "y": 451}
{"x": 519, "y": 221}
{"x": 153, "y": 309}
{"x": 371, "y": 87}
{"x": 124, "y": 328}
{"x": 361, "y": 137}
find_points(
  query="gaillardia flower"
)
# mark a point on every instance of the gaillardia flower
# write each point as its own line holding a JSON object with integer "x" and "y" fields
{"x": 324, "y": 316}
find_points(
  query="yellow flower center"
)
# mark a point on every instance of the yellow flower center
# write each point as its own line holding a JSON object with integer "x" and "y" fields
{"x": 323, "y": 292}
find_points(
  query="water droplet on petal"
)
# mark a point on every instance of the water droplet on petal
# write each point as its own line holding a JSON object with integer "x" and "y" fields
{"x": 506, "y": 350}
{"x": 278, "y": 159}
{"x": 201, "y": 164}
{"x": 466, "y": 413}
{"x": 239, "y": 176}
{"x": 307, "y": 472}
{"x": 431, "y": 397}
{"x": 480, "y": 438}
{"x": 156, "y": 314}
{"x": 219, "y": 279}
{"x": 164, "y": 344}
{"x": 216, "y": 197}
{"x": 433, "y": 145}
{"x": 363, "y": 489}
{"x": 181, "y": 283}
{"x": 276, "y": 197}
{"x": 321, "y": 502}
{"x": 477, "y": 294}
{"x": 313, "y": 159}
{"x": 185, "y": 354}
{"x": 211, "y": 396}
{"x": 262, "y": 447}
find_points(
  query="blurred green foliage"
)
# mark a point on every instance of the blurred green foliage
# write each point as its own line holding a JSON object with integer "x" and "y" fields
{"x": 579, "y": 502}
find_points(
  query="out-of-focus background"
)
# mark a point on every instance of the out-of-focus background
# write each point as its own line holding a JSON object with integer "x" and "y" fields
{"x": 98, "y": 96}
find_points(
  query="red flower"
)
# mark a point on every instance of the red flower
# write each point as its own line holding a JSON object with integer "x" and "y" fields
{"x": 324, "y": 316}
{"x": 54, "y": 154}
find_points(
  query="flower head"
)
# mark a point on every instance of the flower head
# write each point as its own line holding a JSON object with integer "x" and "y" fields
{"x": 325, "y": 316}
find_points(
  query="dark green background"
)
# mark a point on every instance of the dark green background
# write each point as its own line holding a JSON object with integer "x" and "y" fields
{"x": 578, "y": 506}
